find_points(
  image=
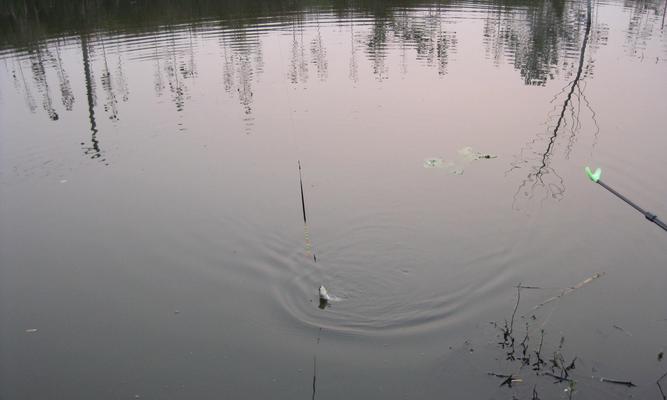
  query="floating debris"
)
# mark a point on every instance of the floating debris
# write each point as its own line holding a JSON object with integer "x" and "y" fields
{"x": 325, "y": 298}
{"x": 618, "y": 382}
{"x": 466, "y": 155}
{"x": 569, "y": 290}
{"x": 448, "y": 166}
{"x": 324, "y": 294}
{"x": 432, "y": 163}
{"x": 557, "y": 377}
{"x": 469, "y": 154}
{"x": 32, "y": 330}
{"x": 622, "y": 330}
{"x": 507, "y": 379}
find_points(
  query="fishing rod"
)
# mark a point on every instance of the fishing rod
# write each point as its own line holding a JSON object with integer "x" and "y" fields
{"x": 595, "y": 177}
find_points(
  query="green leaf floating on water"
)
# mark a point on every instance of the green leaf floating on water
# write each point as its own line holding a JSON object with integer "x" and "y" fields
{"x": 432, "y": 163}
{"x": 466, "y": 155}
{"x": 471, "y": 155}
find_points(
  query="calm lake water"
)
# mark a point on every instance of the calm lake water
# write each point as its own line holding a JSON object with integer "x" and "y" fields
{"x": 159, "y": 241}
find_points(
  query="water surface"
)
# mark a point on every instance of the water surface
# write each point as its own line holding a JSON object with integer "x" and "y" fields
{"x": 152, "y": 235}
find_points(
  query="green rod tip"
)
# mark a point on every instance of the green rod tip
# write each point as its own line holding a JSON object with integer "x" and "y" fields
{"x": 594, "y": 176}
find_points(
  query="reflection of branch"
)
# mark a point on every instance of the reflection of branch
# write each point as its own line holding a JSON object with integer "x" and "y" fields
{"x": 39, "y": 76}
{"x": 537, "y": 178}
{"x": 432, "y": 44}
{"x": 29, "y": 99}
{"x": 319, "y": 53}
{"x": 298, "y": 65}
{"x": 239, "y": 71}
{"x": 191, "y": 71}
{"x": 533, "y": 38}
{"x": 111, "y": 105}
{"x": 593, "y": 116}
{"x": 552, "y": 140}
{"x": 354, "y": 68}
{"x": 227, "y": 67}
{"x": 158, "y": 83}
{"x": 177, "y": 90}
{"x": 641, "y": 26}
{"x": 376, "y": 48}
{"x": 65, "y": 87}
{"x": 93, "y": 151}
{"x": 123, "y": 88}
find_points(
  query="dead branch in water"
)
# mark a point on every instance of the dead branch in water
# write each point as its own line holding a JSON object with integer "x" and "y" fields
{"x": 569, "y": 290}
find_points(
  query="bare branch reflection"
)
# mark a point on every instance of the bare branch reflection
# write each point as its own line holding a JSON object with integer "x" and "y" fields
{"x": 540, "y": 39}
{"x": 319, "y": 52}
{"x": 39, "y": 76}
{"x": 354, "y": 63}
{"x": 27, "y": 93}
{"x": 298, "y": 72}
{"x": 93, "y": 150}
{"x": 644, "y": 18}
{"x": 111, "y": 104}
{"x": 178, "y": 91}
{"x": 65, "y": 87}
{"x": 542, "y": 176}
{"x": 158, "y": 81}
{"x": 376, "y": 48}
{"x": 242, "y": 61}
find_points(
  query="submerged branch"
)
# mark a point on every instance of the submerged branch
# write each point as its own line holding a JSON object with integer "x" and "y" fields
{"x": 618, "y": 382}
{"x": 569, "y": 290}
{"x": 664, "y": 397}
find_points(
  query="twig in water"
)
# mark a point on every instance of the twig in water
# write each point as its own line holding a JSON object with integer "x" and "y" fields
{"x": 525, "y": 358}
{"x": 618, "y": 382}
{"x": 558, "y": 362}
{"x": 569, "y": 290}
{"x": 660, "y": 387}
{"x": 516, "y": 306}
{"x": 558, "y": 378}
{"x": 508, "y": 337}
{"x": 539, "y": 362}
{"x": 507, "y": 379}
{"x": 570, "y": 388}
{"x": 622, "y": 330}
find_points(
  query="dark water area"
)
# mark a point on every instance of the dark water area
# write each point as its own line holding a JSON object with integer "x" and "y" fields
{"x": 158, "y": 239}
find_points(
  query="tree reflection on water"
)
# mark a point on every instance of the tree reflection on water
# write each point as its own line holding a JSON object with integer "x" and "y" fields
{"x": 540, "y": 39}
{"x": 542, "y": 176}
